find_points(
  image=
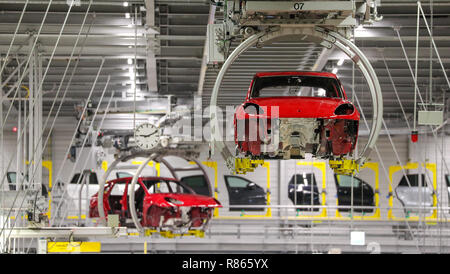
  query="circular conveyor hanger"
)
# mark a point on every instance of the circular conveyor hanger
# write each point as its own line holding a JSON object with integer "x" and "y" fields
{"x": 325, "y": 37}
{"x": 102, "y": 182}
{"x": 132, "y": 205}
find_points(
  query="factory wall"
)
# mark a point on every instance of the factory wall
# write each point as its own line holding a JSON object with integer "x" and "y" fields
{"x": 275, "y": 175}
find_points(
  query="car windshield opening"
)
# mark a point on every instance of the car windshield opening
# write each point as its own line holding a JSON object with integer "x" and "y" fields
{"x": 78, "y": 179}
{"x": 295, "y": 85}
{"x": 413, "y": 180}
{"x": 306, "y": 179}
{"x": 164, "y": 187}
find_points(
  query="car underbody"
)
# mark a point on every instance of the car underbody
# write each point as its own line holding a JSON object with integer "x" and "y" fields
{"x": 177, "y": 217}
{"x": 292, "y": 138}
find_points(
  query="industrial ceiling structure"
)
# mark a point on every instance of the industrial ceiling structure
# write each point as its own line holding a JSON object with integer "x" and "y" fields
{"x": 180, "y": 33}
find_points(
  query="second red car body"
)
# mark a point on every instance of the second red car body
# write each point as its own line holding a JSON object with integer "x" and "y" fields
{"x": 160, "y": 203}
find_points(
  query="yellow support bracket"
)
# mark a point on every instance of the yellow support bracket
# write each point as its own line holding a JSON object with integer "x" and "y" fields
{"x": 244, "y": 165}
{"x": 344, "y": 166}
{"x": 170, "y": 234}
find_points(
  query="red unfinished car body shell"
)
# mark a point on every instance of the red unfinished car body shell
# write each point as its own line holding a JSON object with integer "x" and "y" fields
{"x": 299, "y": 107}
{"x": 156, "y": 206}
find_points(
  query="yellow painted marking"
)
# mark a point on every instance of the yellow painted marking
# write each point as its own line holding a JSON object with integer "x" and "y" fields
{"x": 158, "y": 169}
{"x": 170, "y": 234}
{"x": 133, "y": 234}
{"x": 76, "y": 217}
{"x": 213, "y": 165}
{"x": 377, "y": 214}
{"x": 150, "y": 164}
{"x": 69, "y": 247}
{"x": 105, "y": 165}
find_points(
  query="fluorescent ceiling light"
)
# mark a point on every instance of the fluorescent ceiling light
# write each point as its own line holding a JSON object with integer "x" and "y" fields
{"x": 340, "y": 62}
{"x": 334, "y": 71}
{"x": 125, "y": 4}
{"x": 127, "y": 15}
{"x": 130, "y": 61}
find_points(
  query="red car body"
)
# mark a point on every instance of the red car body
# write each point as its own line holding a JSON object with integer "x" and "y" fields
{"x": 326, "y": 126}
{"x": 176, "y": 208}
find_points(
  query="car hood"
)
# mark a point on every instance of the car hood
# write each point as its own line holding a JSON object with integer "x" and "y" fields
{"x": 163, "y": 200}
{"x": 303, "y": 107}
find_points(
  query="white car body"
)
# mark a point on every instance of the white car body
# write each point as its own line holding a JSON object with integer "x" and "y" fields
{"x": 412, "y": 196}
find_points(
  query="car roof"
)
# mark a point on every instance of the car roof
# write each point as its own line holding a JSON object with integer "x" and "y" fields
{"x": 304, "y": 73}
{"x": 155, "y": 178}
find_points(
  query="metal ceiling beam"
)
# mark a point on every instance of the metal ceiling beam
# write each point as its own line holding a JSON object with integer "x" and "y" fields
{"x": 204, "y": 66}
{"x": 73, "y": 29}
{"x": 413, "y": 3}
{"x": 95, "y": 3}
{"x": 152, "y": 74}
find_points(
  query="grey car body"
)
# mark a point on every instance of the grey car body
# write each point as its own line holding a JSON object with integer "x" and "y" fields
{"x": 412, "y": 196}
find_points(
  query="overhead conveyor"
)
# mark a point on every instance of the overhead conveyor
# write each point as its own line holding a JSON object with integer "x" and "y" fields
{"x": 258, "y": 23}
